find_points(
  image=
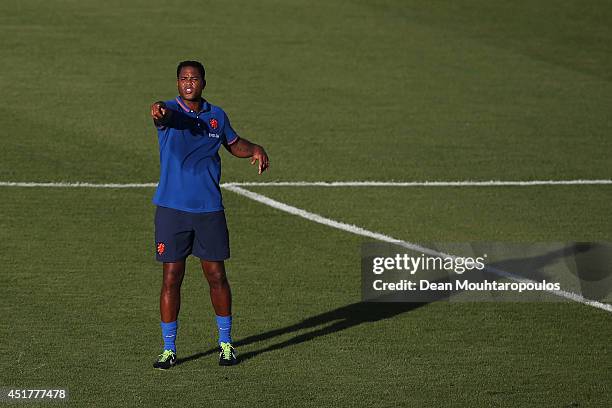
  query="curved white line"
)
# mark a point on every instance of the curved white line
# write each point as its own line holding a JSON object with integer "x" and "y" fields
{"x": 386, "y": 238}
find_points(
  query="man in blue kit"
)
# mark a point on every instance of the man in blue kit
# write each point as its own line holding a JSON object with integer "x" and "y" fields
{"x": 189, "y": 218}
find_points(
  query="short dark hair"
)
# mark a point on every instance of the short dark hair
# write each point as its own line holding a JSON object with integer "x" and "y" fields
{"x": 195, "y": 64}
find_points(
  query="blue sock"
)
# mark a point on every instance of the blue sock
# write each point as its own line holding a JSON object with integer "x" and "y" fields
{"x": 224, "y": 323}
{"x": 169, "y": 335}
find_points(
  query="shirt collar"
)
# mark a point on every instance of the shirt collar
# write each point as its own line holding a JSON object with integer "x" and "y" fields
{"x": 204, "y": 105}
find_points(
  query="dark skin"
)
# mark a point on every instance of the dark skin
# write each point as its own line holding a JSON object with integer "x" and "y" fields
{"x": 190, "y": 85}
{"x": 170, "y": 296}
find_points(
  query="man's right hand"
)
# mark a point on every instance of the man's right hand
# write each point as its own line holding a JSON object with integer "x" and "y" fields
{"x": 158, "y": 110}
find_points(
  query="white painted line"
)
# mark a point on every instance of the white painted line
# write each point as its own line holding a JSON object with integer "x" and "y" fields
{"x": 386, "y": 238}
{"x": 490, "y": 183}
{"x": 236, "y": 188}
{"x": 75, "y": 185}
{"x": 468, "y": 183}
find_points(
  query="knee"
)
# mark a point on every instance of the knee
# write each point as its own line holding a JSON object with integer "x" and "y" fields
{"x": 172, "y": 280}
{"x": 216, "y": 277}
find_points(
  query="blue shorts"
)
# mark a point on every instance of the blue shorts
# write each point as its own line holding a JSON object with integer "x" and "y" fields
{"x": 179, "y": 234}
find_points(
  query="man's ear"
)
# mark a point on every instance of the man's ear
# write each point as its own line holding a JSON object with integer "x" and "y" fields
{"x": 203, "y": 84}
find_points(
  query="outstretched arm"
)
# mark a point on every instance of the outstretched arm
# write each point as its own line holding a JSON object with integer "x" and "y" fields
{"x": 243, "y": 148}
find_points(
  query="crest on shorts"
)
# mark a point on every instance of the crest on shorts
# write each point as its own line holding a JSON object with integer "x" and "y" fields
{"x": 214, "y": 124}
{"x": 161, "y": 247}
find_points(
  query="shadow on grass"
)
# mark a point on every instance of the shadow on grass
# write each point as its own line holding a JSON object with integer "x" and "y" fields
{"x": 387, "y": 306}
{"x": 329, "y": 322}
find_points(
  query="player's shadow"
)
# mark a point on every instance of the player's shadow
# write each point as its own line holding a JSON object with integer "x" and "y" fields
{"x": 332, "y": 321}
{"x": 354, "y": 314}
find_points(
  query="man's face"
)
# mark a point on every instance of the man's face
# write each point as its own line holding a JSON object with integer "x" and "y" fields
{"x": 190, "y": 84}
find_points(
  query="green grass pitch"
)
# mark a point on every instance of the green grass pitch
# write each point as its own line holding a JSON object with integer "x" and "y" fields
{"x": 336, "y": 91}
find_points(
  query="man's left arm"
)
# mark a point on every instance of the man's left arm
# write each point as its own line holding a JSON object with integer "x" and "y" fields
{"x": 243, "y": 149}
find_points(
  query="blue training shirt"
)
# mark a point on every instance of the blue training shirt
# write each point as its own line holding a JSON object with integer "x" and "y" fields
{"x": 190, "y": 166}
